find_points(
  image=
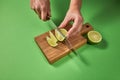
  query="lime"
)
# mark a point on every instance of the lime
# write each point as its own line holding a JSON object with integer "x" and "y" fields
{"x": 59, "y": 36}
{"x": 52, "y": 39}
{"x": 51, "y": 42}
{"x": 94, "y": 37}
{"x": 52, "y": 36}
{"x": 64, "y": 31}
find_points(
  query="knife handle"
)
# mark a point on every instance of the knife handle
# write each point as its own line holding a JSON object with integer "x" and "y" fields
{"x": 86, "y": 28}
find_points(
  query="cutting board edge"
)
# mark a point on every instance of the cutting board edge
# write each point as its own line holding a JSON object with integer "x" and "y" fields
{"x": 55, "y": 59}
{"x": 35, "y": 39}
{"x": 59, "y": 57}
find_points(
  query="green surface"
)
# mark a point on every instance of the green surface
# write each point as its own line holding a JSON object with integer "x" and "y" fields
{"x": 21, "y": 59}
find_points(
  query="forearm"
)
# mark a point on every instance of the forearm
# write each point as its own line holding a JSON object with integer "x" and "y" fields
{"x": 75, "y": 4}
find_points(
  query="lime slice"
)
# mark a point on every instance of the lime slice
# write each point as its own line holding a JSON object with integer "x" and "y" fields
{"x": 64, "y": 31}
{"x": 94, "y": 37}
{"x": 59, "y": 36}
{"x": 52, "y": 36}
{"x": 51, "y": 42}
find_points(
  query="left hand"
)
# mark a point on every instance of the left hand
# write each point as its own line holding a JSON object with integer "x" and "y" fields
{"x": 75, "y": 16}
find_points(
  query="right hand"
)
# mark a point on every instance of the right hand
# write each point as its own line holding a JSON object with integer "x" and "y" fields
{"x": 42, "y": 8}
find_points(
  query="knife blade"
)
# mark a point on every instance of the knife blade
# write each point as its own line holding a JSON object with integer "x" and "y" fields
{"x": 67, "y": 42}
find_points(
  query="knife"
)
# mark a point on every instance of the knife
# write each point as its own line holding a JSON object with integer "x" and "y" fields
{"x": 67, "y": 42}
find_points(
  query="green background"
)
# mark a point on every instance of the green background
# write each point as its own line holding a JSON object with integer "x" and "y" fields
{"x": 21, "y": 59}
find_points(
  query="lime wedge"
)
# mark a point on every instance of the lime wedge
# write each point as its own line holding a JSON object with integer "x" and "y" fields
{"x": 52, "y": 36}
{"x": 52, "y": 39}
{"x": 59, "y": 36}
{"x": 51, "y": 42}
{"x": 94, "y": 37}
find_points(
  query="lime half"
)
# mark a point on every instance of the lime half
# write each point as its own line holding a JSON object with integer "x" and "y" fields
{"x": 94, "y": 37}
{"x": 58, "y": 34}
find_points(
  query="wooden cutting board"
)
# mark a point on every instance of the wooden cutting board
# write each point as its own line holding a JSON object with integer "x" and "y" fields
{"x": 53, "y": 54}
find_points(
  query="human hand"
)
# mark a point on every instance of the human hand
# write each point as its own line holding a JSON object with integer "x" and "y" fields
{"x": 42, "y": 8}
{"x": 75, "y": 16}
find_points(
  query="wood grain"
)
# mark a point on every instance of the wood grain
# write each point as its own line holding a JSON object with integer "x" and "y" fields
{"x": 53, "y": 54}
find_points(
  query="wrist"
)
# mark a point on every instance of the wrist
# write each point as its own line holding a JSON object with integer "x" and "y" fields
{"x": 75, "y": 8}
{"x": 75, "y": 4}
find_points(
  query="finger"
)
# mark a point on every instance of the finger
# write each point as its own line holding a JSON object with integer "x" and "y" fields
{"x": 38, "y": 11}
{"x": 48, "y": 15}
{"x": 49, "y": 9}
{"x": 37, "y": 8}
{"x": 65, "y": 22}
{"x": 35, "y": 11}
{"x": 43, "y": 13}
{"x": 32, "y": 4}
{"x": 80, "y": 27}
{"x": 74, "y": 29}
